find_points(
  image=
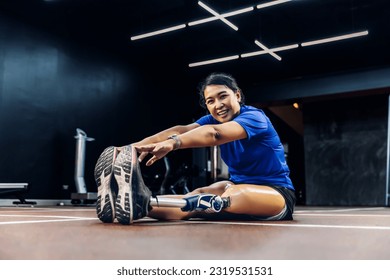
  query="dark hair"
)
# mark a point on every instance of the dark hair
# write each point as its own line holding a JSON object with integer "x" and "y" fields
{"x": 219, "y": 79}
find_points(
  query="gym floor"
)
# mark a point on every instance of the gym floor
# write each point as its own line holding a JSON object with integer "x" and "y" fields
{"x": 74, "y": 233}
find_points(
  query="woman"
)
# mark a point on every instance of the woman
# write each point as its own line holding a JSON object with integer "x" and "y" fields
{"x": 259, "y": 186}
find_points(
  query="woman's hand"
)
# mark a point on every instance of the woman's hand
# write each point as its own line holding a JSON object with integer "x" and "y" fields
{"x": 158, "y": 150}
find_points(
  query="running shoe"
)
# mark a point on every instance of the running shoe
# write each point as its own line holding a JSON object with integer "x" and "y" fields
{"x": 105, "y": 207}
{"x": 133, "y": 199}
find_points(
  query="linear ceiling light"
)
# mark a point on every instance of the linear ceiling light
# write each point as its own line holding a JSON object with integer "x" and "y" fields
{"x": 169, "y": 29}
{"x": 237, "y": 12}
{"x": 267, "y": 50}
{"x": 268, "y": 4}
{"x": 336, "y": 38}
{"x": 222, "y": 59}
{"x": 214, "y": 13}
{"x": 289, "y": 47}
{"x": 216, "y": 16}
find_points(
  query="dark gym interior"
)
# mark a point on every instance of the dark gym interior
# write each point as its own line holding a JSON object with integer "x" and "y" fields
{"x": 69, "y": 64}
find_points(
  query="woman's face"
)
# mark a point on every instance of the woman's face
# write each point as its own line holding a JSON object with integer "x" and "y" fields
{"x": 222, "y": 102}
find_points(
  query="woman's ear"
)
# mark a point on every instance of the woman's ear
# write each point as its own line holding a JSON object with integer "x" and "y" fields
{"x": 238, "y": 95}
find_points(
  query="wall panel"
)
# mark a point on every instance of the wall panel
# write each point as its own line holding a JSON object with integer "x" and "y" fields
{"x": 345, "y": 151}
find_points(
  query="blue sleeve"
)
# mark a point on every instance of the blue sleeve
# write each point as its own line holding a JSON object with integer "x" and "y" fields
{"x": 208, "y": 119}
{"x": 254, "y": 122}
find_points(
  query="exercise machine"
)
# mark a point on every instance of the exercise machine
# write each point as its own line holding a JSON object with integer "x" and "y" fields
{"x": 17, "y": 190}
{"x": 82, "y": 196}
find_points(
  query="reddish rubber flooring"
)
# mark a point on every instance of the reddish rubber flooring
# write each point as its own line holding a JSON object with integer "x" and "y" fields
{"x": 74, "y": 233}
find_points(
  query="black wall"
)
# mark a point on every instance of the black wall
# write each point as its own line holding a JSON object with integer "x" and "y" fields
{"x": 49, "y": 87}
{"x": 346, "y": 151}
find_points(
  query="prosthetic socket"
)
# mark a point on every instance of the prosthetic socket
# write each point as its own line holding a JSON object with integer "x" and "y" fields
{"x": 205, "y": 202}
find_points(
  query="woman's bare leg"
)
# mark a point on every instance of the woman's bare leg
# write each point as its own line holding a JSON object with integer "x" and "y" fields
{"x": 254, "y": 200}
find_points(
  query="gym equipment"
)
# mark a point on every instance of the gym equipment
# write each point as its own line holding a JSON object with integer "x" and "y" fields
{"x": 163, "y": 179}
{"x": 16, "y": 189}
{"x": 81, "y": 196}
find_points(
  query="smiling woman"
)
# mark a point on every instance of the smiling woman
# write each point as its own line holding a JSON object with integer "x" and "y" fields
{"x": 259, "y": 186}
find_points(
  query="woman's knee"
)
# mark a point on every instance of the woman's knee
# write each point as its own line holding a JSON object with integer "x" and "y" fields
{"x": 217, "y": 188}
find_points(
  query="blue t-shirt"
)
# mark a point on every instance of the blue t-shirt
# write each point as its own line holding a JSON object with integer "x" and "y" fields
{"x": 259, "y": 158}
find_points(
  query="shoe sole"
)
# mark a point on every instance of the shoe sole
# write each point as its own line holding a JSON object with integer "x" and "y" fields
{"x": 123, "y": 172}
{"x": 105, "y": 208}
{"x": 133, "y": 199}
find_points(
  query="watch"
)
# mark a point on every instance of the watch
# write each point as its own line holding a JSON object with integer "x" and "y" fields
{"x": 177, "y": 141}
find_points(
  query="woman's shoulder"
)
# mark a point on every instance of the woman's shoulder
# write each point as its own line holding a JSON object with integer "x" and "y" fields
{"x": 207, "y": 119}
{"x": 248, "y": 111}
{"x": 249, "y": 108}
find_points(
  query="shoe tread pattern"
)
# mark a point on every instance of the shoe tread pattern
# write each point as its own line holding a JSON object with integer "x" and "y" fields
{"x": 136, "y": 195}
{"x": 103, "y": 169}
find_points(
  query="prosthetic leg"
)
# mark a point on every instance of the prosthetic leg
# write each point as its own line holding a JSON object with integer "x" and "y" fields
{"x": 209, "y": 203}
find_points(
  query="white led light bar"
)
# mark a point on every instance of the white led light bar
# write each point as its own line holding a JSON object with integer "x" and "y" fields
{"x": 279, "y": 49}
{"x": 336, "y": 38}
{"x": 217, "y": 60}
{"x": 216, "y": 16}
{"x": 267, "y": 50}
{"x": 214, "y": 13}
{"x": 161, "y": 31}
{"x": 268, "y": 4}
{"x": 233, "y": 13}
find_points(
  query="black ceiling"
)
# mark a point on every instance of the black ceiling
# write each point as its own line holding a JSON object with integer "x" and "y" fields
{"x": 107, "y": 25}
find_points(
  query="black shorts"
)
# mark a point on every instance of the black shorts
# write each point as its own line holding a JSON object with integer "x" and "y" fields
{"x": 290, "y": 199}
{"x": 288, "y": 210}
